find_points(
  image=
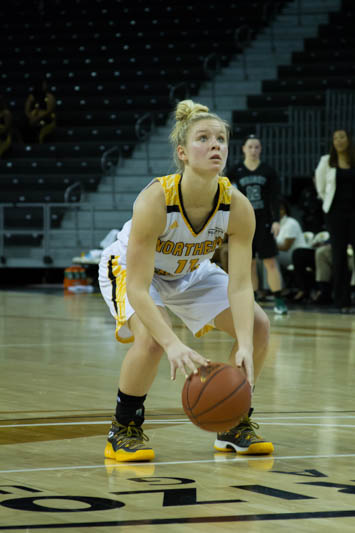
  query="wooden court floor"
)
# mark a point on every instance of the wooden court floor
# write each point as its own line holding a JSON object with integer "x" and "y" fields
{"x": 59, "y": 365}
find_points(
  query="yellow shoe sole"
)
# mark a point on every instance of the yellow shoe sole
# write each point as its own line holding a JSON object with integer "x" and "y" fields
{"x": 145, "y": 454}
{"x": 259, "y": 448}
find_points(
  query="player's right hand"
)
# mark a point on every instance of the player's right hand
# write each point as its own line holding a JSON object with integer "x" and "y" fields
{"x": 184, "y": 359}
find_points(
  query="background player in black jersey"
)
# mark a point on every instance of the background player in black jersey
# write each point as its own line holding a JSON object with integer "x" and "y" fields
{"x": 260, "y": 184}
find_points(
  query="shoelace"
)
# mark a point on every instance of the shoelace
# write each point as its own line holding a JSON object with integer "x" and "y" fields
{"x": 134, "y": 434}
{"x": 247, "y": 426}
{"x": 244, "y": 426}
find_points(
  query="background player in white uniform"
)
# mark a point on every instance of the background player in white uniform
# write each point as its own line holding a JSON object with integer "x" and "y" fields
{"x": 162, "y": 259}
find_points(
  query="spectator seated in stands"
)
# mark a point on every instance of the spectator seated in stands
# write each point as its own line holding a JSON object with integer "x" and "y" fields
{"x": 324, "y": 273}
{"x": 309, "y": 274}
{"x": 290, "y": 237}
{"x": 40, "y": 117}
{"x": 5, "y": 127}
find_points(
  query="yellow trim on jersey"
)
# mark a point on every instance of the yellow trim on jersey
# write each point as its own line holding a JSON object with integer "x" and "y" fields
{"x": 170, "y": 184}
{"x": 226, "y": 196}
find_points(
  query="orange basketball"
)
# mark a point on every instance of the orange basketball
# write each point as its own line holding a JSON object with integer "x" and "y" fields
{"x": 216, "y": 397}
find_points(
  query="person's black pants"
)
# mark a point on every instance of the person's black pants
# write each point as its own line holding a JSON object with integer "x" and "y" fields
{"x": 341, "y": 226}
{"x": 303, "y": 260}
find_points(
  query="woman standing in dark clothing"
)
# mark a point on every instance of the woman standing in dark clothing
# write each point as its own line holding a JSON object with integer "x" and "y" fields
{"x": 335, "y": 181}
{"x": 259, "y": 182}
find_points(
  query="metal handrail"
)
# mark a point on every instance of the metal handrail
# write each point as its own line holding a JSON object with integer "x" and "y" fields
{"x": 174, "y": 88}
{"x": 45, "y": 230}
{"x": 270, "y": 9}
{"x": 71, "y": 188}
{"x": 143, "y": 128}
{"x": 110, "y": 168}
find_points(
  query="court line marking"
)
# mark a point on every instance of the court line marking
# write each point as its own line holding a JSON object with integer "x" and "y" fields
{"x": 272, "y": 421}
{"x": 172, "y": 463}
{"x": 49, "y": 344}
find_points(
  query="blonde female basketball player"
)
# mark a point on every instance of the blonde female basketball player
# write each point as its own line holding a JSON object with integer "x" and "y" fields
{"x": 161, "y": 259}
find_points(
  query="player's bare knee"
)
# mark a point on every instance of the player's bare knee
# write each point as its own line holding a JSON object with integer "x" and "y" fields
{"x": 148, "y": 346}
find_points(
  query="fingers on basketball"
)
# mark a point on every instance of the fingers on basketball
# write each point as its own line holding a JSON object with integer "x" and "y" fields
{"x": 216, "y": 398}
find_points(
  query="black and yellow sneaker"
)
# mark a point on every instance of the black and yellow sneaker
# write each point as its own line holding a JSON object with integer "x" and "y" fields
{"x": 243, "y": 439}
{"x": 126, "y": 443}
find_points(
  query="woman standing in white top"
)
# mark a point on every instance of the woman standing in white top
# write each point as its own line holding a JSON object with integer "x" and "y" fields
{"x": 335, "y": 183}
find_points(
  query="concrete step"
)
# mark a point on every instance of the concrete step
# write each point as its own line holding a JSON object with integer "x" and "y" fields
{"x": 281, "y": 46}
{"x": 293, "y": 19}
{"x": 229, "y": 88}
{"x": 225, "y": 101}
{"x": 258, "y": 59}
{"x": 105, "y": 200}
{"x": 285, "y": 33}
{"x": 104, "y": 219}
{"x": 306, "y": 7}
{"x": 123, "y": 183}
{"x": 236, "y": 74}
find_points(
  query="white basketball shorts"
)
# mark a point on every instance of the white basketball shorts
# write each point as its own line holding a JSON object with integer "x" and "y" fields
{"x": 196, "y": 298}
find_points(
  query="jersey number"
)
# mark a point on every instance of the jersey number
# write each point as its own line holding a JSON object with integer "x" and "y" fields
{"x": 193, "y": 264}
{"x": 253, "y": 193}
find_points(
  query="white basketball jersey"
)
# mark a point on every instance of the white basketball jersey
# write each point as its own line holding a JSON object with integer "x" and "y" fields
{"x": 180, "y": 249}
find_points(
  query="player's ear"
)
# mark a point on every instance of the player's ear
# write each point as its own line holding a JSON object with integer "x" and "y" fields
{"x": 181, "y": 153}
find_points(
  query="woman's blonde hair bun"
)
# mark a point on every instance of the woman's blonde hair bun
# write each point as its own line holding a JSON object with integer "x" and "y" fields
{"x": 187, "y": 108}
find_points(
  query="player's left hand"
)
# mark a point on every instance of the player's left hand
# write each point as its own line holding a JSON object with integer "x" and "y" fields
{"x": 244, "y": 359}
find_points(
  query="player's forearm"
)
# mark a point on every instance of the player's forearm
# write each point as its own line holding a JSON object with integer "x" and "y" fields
{"x": 151, "y": 317}
{"x": 242, "y": 306}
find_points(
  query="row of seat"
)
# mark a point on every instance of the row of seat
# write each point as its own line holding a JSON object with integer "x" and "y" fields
{"x": 121, "y": 35}
{"x": 137, "y": 103}
{"x": 253, "y": 117}
{"x": 182, "y": 58}
{"x": 119, "y": 88}
{"x": 103, "y": 73}
{"x": 47, "y": 162}
{"x": 99, "y": 133}
{"x": 106, "y": 117}
{"x": 39, "y": 196}
{"x": 298, "y": 84}
{"x": 325, "y": 70}
{"x": 131, "y": 11}
{"x": 285, "y": 99}
{"x": 87, "y": 46}
{"x": 46, "y": 182}
{"x": 322, "y": 55}
{"x": 30, "y": 217}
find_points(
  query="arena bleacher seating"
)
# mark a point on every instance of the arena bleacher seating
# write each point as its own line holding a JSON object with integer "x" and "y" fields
{"x": 325, "y": 63}
{"x": 107, "y": 63}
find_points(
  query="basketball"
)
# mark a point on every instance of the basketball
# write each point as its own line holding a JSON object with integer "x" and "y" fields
{"x": 216, "y": 397}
